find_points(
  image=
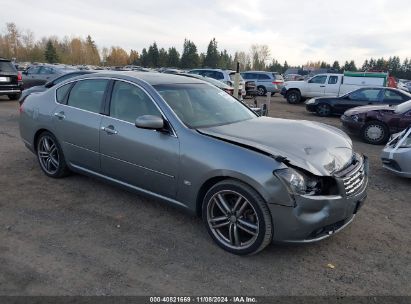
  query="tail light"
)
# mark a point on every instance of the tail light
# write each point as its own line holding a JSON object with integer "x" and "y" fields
{"x": 229, "y": 91}
{"x": 277, "y": 82}
{"x": 19, "y": 77}
{"x": 21, "y": 108}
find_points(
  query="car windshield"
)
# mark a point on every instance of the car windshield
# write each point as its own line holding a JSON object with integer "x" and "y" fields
{"x": 203, "y": 105}
{"x": 403, "y": 107}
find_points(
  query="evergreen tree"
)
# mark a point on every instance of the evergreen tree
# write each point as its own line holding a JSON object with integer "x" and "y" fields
{"x": 212, "y": 57}
{"x": 144, "y": 60}
{"x": 173, "y": 58}
{"x": 153, "y": 55}
{"x": 50, "y": 53}
{"x": 336, "y": 66}
{"x": 162, "y": 58}
{"x": 190, "y": 58}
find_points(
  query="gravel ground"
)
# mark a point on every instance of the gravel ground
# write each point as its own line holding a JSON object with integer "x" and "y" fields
{"x": 80, "y": 236}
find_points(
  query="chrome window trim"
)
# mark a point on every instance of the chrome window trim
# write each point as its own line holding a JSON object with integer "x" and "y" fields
{"x": 174, "y": 134}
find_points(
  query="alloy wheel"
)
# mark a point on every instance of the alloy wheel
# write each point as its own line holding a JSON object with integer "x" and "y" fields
{"x": 48, "y": 154}
{"x": 232, "y": 219}
{"x": 374, "y": 133}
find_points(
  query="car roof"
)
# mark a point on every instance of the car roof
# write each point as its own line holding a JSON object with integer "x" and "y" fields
{"x": 149, "y": 77}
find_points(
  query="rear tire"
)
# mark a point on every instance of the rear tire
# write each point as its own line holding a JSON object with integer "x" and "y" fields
{"x": 293, "y": 96}
{"x": 237, "y": 218}
{"x": 50, "y": 156}
{"x": 375, "y": 133}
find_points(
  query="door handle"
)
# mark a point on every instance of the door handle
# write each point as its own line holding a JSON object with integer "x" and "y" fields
{"x": 109, "y": 130}
{"x": 322, "y": 86}
{"x": 60, "y": 115}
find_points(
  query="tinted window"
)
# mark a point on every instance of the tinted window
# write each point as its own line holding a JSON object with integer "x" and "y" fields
{"x": 318, "y": 79}
{"x": 129, "y": 102}
{"x": 46, "y": 70}
{"x": 333, "y": 80}
{"x": 200, "y": 105}
{"x": 392, "y": 96}
{"x": 366, "y": 95}
{"x": 263, "y": 77}
{"x": 88, "y": 94}
{"x": 194, "y": 72}
{"x": 33, "y": 70}
{"x": 61, "y": 92}
{"x": 246, "y": 75}
{"x": 7, "y": 67}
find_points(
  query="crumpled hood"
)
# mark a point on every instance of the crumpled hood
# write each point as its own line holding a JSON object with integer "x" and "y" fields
{"x": 318, "y": 148}
{"x": 364, "y": 109}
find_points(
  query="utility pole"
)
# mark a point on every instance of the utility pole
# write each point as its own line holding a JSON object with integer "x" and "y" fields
{"x": 237, "y": 81}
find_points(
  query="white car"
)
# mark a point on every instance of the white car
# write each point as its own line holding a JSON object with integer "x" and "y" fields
{"x": 226, "y": 76}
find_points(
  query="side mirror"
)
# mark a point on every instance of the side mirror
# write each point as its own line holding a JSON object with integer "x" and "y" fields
{"x": 150, "y": 122}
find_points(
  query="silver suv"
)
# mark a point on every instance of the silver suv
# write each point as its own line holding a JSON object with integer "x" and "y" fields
{"x": 226, "y": 76}
{"x": 265, "y": 81}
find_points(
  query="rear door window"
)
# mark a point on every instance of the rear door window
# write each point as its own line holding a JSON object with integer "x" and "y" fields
{"x": 392, "y": 96}
{"x": 88, "y": 94}
{"x": 333, "y": 80}
{"x": 263, "y": 77}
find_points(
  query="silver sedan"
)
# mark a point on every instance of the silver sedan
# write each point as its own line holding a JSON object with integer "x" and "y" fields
{"x": 252, "y": 179}
{"x": 396, "y": 156}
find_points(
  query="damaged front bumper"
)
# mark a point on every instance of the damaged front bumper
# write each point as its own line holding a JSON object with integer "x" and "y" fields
{"x": 314, "y": 218}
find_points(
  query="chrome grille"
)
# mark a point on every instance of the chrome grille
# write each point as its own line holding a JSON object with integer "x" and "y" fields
{"x": 354, "y": 180}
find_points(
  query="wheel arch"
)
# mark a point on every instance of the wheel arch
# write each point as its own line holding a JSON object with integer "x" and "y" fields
{"x": 216, "y": 179}
{"x": 36, "y": 136}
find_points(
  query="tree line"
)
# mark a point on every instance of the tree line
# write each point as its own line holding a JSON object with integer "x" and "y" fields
{"x": 21, "y": 45}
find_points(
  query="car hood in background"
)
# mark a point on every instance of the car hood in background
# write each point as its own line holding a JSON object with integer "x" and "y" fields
{"x": 364, "y": 109}
{"x": 315, "y": 147}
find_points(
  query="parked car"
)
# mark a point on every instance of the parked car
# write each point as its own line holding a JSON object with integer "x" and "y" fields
{"x": 202, "y": 150}
{"x": 251, "y": 88}
{"x": 10, "y": 80}
{"x": 375, "y": 124}
{"x": 396, "y": 156}
{"x": 265, "y": 81}
{"x": 326, "y": 106}
{"x": 404, "y": 85}
{"x": 330, "y": 85}
{"x": 51, "y": 83}
{"x": 219, "y": 84}
{"x": 226, "y": 76}
{"x": 40, "y": 74}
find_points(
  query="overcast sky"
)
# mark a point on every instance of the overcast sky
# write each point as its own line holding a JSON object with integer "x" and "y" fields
{"x": 295, "y": 30}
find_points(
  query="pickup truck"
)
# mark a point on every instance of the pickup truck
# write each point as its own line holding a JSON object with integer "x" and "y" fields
{"x": 331, "y": 85}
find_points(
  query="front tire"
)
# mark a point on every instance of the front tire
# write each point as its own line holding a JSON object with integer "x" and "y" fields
{"x": 293, "y": 96}
{"x": 237, "y": 218}
{"x": 50, "y": 156}
{"x": 375, "y": 133}
{"x": 323, "y": 110}
{"x": 261, "y": 91}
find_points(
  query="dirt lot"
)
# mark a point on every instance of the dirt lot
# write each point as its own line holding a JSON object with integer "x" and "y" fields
{"x": 79, "y": 236}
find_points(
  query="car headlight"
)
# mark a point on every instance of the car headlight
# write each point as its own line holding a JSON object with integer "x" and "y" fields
{"x": 310, "y": 101}
{"x": 355, "y": 117}
{"x": 298, "y": 182}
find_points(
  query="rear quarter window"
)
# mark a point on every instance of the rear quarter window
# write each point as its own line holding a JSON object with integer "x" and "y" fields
{"x": 61, "y": 92}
